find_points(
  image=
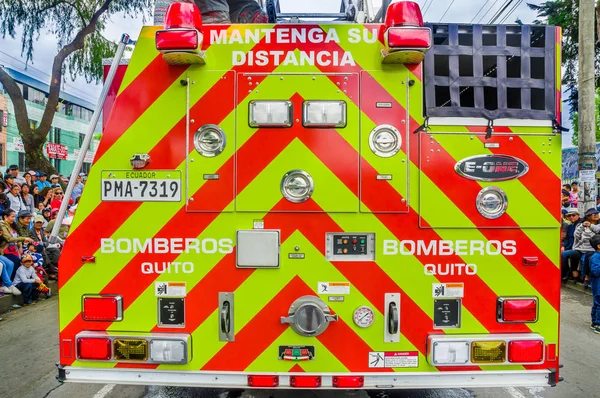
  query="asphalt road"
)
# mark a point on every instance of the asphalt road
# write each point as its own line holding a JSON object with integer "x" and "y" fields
{"x": 29, "y": 351}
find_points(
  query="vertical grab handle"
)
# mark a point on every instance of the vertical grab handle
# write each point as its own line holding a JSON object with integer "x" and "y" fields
{"x": 226, "y": 327}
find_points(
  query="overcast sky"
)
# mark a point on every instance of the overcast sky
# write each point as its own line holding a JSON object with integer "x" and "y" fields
{"x": 463, "y": 11}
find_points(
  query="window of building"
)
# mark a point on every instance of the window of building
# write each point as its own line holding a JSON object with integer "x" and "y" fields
{"x": 1, "y": 153}
{"x": 57, "y": 165}
{"x": 1, "y": 119}
{"x": 81, "y": 138}
{"x": 85, "y": 168}
{"x": 36, "y": 96}
{"x": 22, "y": 162}
{"x": 56, "y": 137}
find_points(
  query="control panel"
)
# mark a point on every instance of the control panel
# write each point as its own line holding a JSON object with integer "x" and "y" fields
{"x": 350, "y": 246}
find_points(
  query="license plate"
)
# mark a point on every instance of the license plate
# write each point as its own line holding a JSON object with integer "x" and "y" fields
{"x": 141, "y": 186}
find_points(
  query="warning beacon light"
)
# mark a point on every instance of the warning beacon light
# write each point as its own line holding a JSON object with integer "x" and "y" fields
{"x": 181, "y": 41}
{"x": 406, "y": 39}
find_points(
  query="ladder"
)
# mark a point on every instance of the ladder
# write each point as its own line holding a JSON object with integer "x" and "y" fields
{"x": 353, "y": 11}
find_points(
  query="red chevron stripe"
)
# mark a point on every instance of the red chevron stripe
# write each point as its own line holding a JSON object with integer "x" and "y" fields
{"x": 86, "y": 238}
{"x": 407, "y": 228}
{"x": 178, "y": 227}
{"x": 464, "y": 191}
{"x": 135, "y": 100}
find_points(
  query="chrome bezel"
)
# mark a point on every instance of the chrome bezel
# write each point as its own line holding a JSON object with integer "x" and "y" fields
{"x": 119, "y": 299}
{"x": 305, "y": 302}
{"x": 363, "y": 307}
{"x": 253, "y": 123}
{"x": 502, "y": 208}
{"x": 307, "y": 123}
{"x": 500, "y": 308}
{"x": 309, "y": 190}
{"x": 374, "y": 145}
{"x": 202, "y": 132}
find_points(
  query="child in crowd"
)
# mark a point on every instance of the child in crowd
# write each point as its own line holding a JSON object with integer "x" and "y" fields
{"x": 26, "y": 280}
{"x": 595, "y": 283}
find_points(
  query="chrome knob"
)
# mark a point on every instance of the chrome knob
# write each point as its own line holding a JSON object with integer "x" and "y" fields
{"x": 385, "y": 141}
{"x": 297, "y": 186}
{"x": 210, "y": 140}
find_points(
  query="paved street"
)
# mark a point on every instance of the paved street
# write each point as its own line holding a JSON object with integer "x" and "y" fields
{"x": 29, "y": 351}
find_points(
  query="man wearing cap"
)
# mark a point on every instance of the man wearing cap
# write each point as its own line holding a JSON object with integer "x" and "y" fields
{"x": 42, "y": 183}
{"x": 569, "y": 257}
{"x": 14, "y": 171}
{"x": 50, "y": 254}
{"x": 78, "y": 189}
{"x": 23, "y": 223}
{"x": 583, "y": 233}
{"x": 53, "y": 180}
{"x": 34, "y": 176}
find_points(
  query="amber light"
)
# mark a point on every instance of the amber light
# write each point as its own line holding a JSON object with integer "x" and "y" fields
{"x": 93, "y": 349}
{"x": 263, "y": 381}
{"x": 488, "y": 351}
{"x": 525, "y": 351}
{"x": 305, "y": 381}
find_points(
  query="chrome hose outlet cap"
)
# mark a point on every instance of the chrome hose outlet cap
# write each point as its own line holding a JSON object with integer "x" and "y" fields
{"x": 309, "y": 316}
{"x": 492, "y": 202}
{"x": 210, "y": 140}
{"x": 385, "y": 141}
{"x": 297, "y": 186}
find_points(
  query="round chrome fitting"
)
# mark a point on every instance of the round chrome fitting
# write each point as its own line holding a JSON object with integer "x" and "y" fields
{"x": 297, "y": 186}
{"x": 210, "y": 140}
{"x": 385, "y": 140}
{"x": 309, "y": 316}
{"x": 492, "y": 202}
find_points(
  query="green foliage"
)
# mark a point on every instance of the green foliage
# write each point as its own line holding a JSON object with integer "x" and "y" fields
{"x": 565, "y": 13}
{"x": 64, "y": 19}
{"x": 575, "y": 120}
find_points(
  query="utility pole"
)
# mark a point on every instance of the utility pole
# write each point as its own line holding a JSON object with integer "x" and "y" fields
{"x": 587, "y": 105}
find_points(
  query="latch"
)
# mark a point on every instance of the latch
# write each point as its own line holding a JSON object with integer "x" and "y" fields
{"x": 226, "y": 330}
{"x": 309, "y": 316}
{"x": 391, "y": 331}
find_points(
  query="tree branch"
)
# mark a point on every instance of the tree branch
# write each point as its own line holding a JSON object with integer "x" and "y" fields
{"x": 78, "y": 43}
{"x": 16, "y": 96}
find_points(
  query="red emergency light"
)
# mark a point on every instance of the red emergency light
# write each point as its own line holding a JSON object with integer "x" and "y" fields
{"x": 517, "y": 310}
{"x": 181, "y": 40}
{"x": 263, "y": 381}
{"x": 305, "y": 381}
{"x": 406, "y": 39}
{"x": 102, "y": 308}
{"x": 348, "y": 381}
{"x": 94, "y": 349}
{"x": 526, "y": 351}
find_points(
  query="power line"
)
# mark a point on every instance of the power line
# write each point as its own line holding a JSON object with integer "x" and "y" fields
{"x": 500, "y": 12}
{"x": 427, "y": 9}
{"x": 447, "y": 9}
{"x": 488, "y": 11}
{"x": 511, "y": 11}
{"x": 481, "y": 9}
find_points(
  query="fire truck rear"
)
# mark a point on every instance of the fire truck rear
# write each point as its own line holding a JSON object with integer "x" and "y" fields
{"x": 342, "y": 205}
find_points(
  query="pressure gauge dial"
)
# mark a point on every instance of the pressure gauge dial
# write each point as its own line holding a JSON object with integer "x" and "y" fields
{"x": 364, "y": 317}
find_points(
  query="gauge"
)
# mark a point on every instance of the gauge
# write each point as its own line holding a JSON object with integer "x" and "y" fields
{"x": 364, "y": 317}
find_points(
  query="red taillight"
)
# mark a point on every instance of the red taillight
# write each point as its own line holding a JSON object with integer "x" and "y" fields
{"x": 517, "y": 310}
{"x": 525, "y": 351}
{"x": 88, "y": 259}
{"x": 93, "y": 348}
{"x": 263, "y": 381}
{"x": 530, "y": 261}
{"x": 408, "y": 37}
{"x": 305, "y": 381}
{"x": 404, "y": 13}
{"x": 348, "y": 381}
{"x": 102, "y": 308}
{"x": 183, "y": 39}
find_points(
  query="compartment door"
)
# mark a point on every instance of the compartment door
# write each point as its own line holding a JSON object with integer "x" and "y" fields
{"x": 507, "y": 181}
{"x": 210, "y": 141}
{"x": 285, "y": 164}
{"x": 384, "y": 141}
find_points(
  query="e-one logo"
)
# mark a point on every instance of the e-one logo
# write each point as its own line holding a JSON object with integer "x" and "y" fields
{"x": 491, "y": 167}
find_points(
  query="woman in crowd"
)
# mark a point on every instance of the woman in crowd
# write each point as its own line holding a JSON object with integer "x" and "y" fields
{"x": 49, "y": 252}
{"x": 583, "y": 233}
{"x": 46, "y": 196}
{"x": 58, "y": 198}
{"x": 14, "y": 198}
{"x": 11, "y": 245}
{"x": 34, "y": 190}
{"x": 6, "y": 271}
{"x": 27, "y": 178}
{"x": 27, "y": 198}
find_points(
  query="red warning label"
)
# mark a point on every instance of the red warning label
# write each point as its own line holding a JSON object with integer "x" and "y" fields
{"x": 394, "y": 359}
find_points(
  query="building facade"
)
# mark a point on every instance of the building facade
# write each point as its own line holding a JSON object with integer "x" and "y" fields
{"x": 71, "y": 121}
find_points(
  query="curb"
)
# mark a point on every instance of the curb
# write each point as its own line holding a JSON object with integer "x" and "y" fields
{"x": 578, "y": 287}
{"x": 7, "y": 301}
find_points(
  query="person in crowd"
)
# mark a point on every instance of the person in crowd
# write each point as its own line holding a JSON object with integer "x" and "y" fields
{"x": 3, "y": 186}
{"x": 3, "y": 202}
{"x": 26, "y": 280}
{"x": 23, "y": 222}
{"x": 46, "y": 196}
{"x": 41, "y": 182}
{"x": 567, "y": 187}
{"x": 583, "y": 233}
{"x": 9, "y": 181}
{"x": 11, "y": 242}
{"x": 14, "y": 198}
{"x": 50, "y": 253}
{"x": 6, "y": 272}
{"x": 576, "y": 194}
{"x": 34, "y": 176}
{"x": 566, "y": 203}
{"x": 595, "y": 283}
{"x": 78, "y": 189}
{"x": 54, "y": 180}
{"x": 63, "y": 230}
{"x": 58, "y": 199}
{"x": 27, "y": 198}
{"x": 34, "y": 190}
{"x": 47, "y": 214}
{"x": 569, "y": 257}
{"x": 13, "y": 170}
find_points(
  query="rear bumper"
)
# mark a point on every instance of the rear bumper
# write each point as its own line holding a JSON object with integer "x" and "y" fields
{"x": 531, "y": 378}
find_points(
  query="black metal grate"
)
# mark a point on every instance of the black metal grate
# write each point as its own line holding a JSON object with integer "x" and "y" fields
{"x": 491, "y": 71}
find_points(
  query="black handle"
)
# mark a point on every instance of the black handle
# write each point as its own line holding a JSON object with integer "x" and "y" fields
{"x": 393, "y": 318}
{"x": 225, "y": 318}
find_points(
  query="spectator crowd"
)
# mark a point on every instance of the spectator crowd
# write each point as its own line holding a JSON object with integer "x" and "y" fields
{"x": 580, "y": 246}
{"x": 29, "y": 205}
